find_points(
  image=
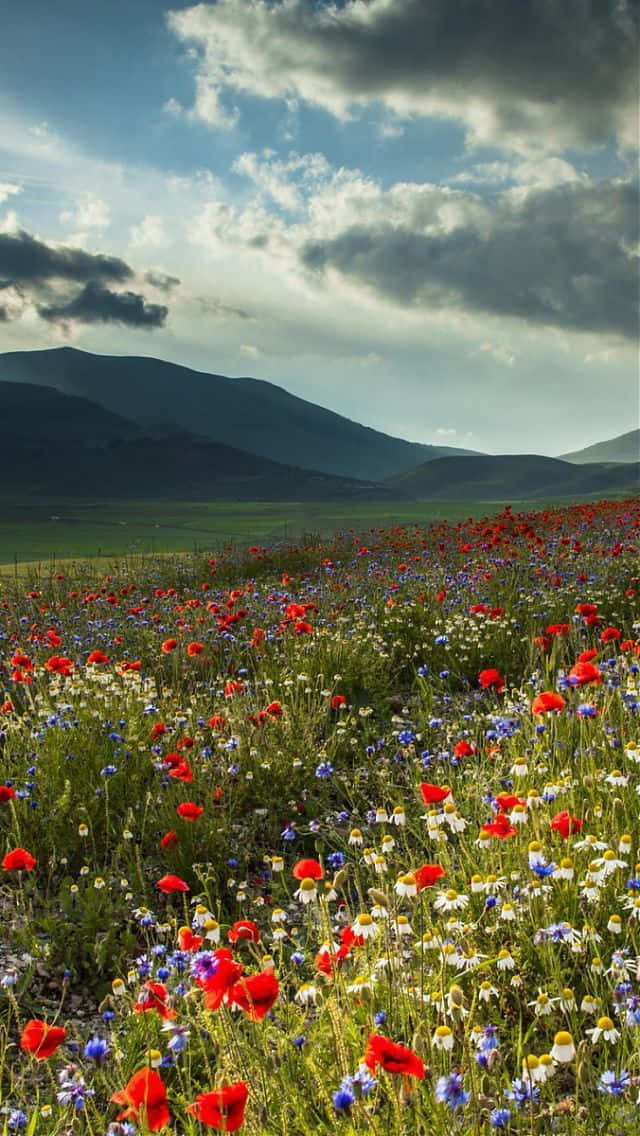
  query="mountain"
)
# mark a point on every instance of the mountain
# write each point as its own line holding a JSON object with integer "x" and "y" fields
{"x": 518, "y": 476}
{"x": 624, "y": 448}
{"x": 57, "y": 446}
{"x": 248, "y": 414}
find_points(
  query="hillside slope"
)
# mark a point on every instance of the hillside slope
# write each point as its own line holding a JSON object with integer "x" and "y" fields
{"x": 56, "y": 446}
{"x": 252, "y": 415}
{"x": 525, "y": 476}
{"x": 623, "y": 448}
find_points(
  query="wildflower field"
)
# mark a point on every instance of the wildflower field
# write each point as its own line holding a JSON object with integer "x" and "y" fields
{"x": 327, "y": 839}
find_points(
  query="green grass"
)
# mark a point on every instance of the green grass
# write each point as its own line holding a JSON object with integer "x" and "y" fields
{"x": 48, "y": 531}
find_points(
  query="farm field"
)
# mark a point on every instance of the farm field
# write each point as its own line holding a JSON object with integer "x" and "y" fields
{"x": 324, "y": 835}
{"x": 47, "y": 531}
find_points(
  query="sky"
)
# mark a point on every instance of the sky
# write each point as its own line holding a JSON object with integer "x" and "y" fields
{"x": 421, "y": 214}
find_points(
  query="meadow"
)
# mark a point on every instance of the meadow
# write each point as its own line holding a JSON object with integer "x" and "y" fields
{"x": 330, "y": 837}
{"x": 46, "y": 531}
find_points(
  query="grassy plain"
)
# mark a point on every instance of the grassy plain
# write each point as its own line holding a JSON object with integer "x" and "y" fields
{"x": 48, "y": 531}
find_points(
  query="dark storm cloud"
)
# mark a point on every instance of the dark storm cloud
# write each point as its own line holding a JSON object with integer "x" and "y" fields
{"x": 97, "y": 304}
{"x": 26, "y": 260}
{"x": 40, "y": 274}
{"x": 161, "y": 280}
{"x": 574, "y": 61}
{"x": 565, "y": 256}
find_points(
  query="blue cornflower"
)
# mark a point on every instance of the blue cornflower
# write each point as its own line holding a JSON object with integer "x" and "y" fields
{"x": 543, "y": 870}
{"x": 204, "y": 965}
{"x": 380, "y": 1018}
{"x": 108, "y": 771}
{"x": 500, "y": 1117}
{"x": 343, "y": 1099}
{"x": 336, "y": 860}
{"x": 324, "y": 769}
{"x": 450, "y": 1090}
{"x": 522, "y": 1091}
{"x": 612, "y": 1084}
{"x": 441, "y": 640}
{"x": 179, "y": 1036}
{"x": 16, "y": 1120}
{"x": 299, "y": 1041}
{"x": 97, "y": 1049}
{"x": 406, "y": 737}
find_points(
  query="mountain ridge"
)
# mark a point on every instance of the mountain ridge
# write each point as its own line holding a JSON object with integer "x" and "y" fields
{"x": 253, "y": 415}
{"x": 623, "y": 448}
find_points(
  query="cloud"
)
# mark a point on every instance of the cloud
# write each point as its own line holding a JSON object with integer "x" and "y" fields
{"x": 161, "y": 280}
{"x": 97, "y": 304}
{"x": 562, "y": 257}
{"x": 211, "y": 306}
{"x": 149, "y": 233}
{"x": 90, "y": 212}
{"x": 27, "y": 260}
{"x": 39, "y": 275}
{"x": 537, "y": 73}
{"x": 7, "y": 190}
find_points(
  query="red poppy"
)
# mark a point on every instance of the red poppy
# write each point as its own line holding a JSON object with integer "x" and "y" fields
{"x": 244, "y": 929}
{"x": 195, "y": 649}
{"x": 587, "y": 609}
{"x": 171, "y": 883}
{"x": 18, "y": 860}
{"x": 583, "y": 673}
{"x": 565, "y": 824}
{"x": 58, "y": 664}
{"x": 274, "y": 710}
{"x": 427, "y": 874}
{"x": 587, "y": 656}
{"x": 255, "y": 995}
{"x": 222, "y": 1109}
{"x": 7, "y": 707}
{"x": 96, "y": 657}
{"x": 433, "y": 794}
{"x": 217, "y": 722}
{"x": 548, "y": 702}
{"x": 302, "y": 628}
{"x": 464, "y": 749}
{"x": 499, "y": 827}
{"x": 154, "y": 997}
{"x": 169, "y": 840}
{"x": 146, "y": 1099}
{"x": 168, "y": 646}
{"x": 187, "y": 941}
{"x": 508, "y": 801}
{"x": 609, "y": 634}
{"x": 232, "y": 688}
{"x": 337, "y": 701}
{"x": 6, "y": 794}
{"x": 308, "y": 869}
{"x": 227, "y": 972}
{"x": 491, "y": 678}
{"x": 188, "y": 810}
{"x": 41, "y": 1040}
{"x": 393, "y": 1058}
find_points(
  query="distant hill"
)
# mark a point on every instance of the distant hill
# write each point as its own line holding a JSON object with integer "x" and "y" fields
{"x": 624, "y": 448}
{"x": 35, "y": 414}
{"x": 524, "y": 476}
{"x": 59, "y": 446}
{"x": 249, "y": 414}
